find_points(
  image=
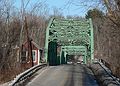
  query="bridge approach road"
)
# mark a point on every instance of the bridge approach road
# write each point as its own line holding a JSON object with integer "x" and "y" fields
{"x": 64, "y": 75}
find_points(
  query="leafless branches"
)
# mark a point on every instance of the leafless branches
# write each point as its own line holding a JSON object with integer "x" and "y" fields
{"x": 12, "y": 33}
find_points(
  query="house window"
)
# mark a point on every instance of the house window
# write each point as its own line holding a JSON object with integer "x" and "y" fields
{"x": 23, "y": 56}
{"x": 34, "y": 55}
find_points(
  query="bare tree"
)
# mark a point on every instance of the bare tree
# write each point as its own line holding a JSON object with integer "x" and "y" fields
{"x": 107, "y": 37}
{"x": 12, "y": 33}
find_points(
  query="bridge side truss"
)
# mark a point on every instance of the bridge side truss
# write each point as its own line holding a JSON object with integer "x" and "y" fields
{"x": 74, "y": 37}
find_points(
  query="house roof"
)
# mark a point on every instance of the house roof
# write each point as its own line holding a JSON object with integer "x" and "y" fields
{"x": 36, "y": 45}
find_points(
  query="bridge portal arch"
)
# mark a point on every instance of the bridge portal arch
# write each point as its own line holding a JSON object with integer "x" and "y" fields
{"x": 73, "y": 36}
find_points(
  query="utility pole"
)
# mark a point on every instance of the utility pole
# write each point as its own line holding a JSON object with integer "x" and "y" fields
{"x": 29, "y": 40}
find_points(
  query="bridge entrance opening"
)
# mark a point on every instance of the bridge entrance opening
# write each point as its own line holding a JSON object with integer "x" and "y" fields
{"x": 65, "y": 37}
{"x": 77, "y": 59}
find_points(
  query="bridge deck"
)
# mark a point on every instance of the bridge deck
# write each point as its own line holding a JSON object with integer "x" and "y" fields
{"x": 65, "y": 75}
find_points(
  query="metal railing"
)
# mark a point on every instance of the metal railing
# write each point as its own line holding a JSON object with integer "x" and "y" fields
{"x": 26, "y": 74}
{"x": 104, "y": 74}
{"x": 108, "y": 72}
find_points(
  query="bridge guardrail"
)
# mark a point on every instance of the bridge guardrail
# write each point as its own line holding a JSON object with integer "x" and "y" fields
{"x": 26, "y": 74}
{"x": 106, "y": 69}
{"x": 104, "y": 74}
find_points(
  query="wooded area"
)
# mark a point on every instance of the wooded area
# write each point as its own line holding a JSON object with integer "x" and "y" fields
{"x": 107, "y": 34}
{"x": 12, "y": 32}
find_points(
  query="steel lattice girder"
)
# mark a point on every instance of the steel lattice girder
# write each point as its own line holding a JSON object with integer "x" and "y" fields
{"x": 69, "y": 32}
{"x": 66, "y": 31}
{"x": 75, "y": 50}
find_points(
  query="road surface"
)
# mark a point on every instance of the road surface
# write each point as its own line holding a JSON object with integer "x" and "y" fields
{"x": 64, "y": 75}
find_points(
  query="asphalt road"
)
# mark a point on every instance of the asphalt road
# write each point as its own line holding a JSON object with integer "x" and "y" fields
{"x": 64, "y": 75}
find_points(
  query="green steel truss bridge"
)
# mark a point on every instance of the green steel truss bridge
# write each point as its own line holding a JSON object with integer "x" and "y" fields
{"x": 65, "y": 38}
{"x": 69, "y": 37}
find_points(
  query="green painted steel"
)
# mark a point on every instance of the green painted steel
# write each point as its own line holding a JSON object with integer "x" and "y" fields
{"x": 75, "y": 50}
{"x": 74, "y": 36}
{"x": 46, "y": 41}
{"x": 92, "y": 40}
{"x": 63, "y": 58}
{"x": 52, "y": 53}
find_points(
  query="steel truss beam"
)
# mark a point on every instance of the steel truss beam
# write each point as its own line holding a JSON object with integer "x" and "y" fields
{"x": 72, "y": 35}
